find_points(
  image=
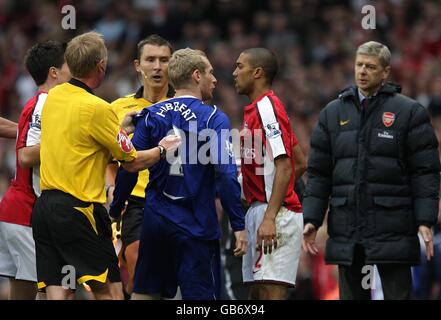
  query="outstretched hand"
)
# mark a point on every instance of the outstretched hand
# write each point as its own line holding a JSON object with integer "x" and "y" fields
{"x": 241, "y": 243}
{"x": 426, "y": 233}
{"x": 127, "y": 124}
{"x": 308, "y": 243}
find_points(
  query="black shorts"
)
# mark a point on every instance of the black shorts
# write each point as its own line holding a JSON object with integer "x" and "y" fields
{"x": 131, "y": 221}
{"x": 73, "y": 240}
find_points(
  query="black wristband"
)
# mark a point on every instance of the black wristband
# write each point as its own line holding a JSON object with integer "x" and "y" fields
{"x": 162, "y": 152}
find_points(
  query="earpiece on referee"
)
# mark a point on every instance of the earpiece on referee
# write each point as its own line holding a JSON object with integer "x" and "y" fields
{"x": 143, "y": 73}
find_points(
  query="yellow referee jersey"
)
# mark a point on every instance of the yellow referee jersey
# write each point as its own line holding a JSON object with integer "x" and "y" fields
{"x": 134, "y": 102}
{"x": 79, "y": 131}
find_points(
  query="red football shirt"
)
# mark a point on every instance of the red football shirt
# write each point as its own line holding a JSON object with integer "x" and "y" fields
{"x": 18, "y": 201}
{"x": 266, "y": 134}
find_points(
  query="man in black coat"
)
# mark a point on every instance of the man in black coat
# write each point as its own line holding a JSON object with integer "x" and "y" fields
{"x": 374, "y": 158}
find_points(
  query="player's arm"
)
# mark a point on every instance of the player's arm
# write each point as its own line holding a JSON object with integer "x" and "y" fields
{"x": 127, "y": 175}
{"x": 8, "y": 129}
{"x": 283, "y": 171}
{"x": 227, "y": 185}
{"x": 125, "y": 180}
{"x": 28, "y": 143}
{"x": 111, "y": 171}
{"x": 279, "y": 143}
{"x": 106, "y": 130}
{"x": 127, "y": 125}
{"x": 144, "y": 159}
{"x": 148, "y": 154}
{"x": 124, "y": 184}
{"x": 267, "y": 230}
{"x": 147, "y": 158}
{"x": 29, "y": 156}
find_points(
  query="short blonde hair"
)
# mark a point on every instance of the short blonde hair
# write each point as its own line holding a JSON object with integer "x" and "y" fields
{"x": 182, "y": 64}
{"x": 84, "y": 52}
{"x": 373, "y": 48}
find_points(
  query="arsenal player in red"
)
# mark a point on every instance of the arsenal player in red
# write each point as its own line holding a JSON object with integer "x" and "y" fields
{"x": 274, "y": 220}
{"x": 45, "y": 62}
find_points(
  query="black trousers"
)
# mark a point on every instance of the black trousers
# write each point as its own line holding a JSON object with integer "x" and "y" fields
{"x": 396, "y": 279}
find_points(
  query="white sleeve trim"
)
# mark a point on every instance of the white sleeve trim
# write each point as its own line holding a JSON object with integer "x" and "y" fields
{"x": 34, "y": 132}
{"x": 271, "y": 127}
{"x": 211, "y": 115}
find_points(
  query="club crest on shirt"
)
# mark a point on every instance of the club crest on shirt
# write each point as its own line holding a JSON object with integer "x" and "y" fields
{"x": 272, "y": 130}
{"x": 388, "y": 118}
{"x": 124, "y": 141}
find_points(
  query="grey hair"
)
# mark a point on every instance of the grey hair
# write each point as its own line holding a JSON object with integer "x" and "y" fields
{"x": 373, "y": 48}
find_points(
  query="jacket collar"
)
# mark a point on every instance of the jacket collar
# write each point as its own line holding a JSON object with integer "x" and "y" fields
{"x": 352, "y": 91}
{"x": 140, "y": 92}
{"x": 80, "y": 84}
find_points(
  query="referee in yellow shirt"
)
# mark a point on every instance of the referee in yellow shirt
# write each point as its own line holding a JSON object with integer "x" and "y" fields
{"x": 79, "y": 133}
{"x": 153, "y": 55}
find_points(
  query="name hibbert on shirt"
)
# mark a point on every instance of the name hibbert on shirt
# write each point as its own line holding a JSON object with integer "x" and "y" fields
{"x": 177, "y": 106}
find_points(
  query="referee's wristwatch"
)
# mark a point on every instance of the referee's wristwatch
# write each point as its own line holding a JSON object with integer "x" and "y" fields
{"x": 162, "y": 152}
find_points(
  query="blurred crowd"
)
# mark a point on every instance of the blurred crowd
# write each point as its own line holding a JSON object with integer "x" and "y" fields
{"x": 314, "y": 41}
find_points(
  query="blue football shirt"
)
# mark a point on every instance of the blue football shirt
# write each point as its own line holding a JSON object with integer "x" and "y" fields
{"x": 184, "y": 186}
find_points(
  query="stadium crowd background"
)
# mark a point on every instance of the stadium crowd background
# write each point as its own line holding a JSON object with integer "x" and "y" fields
{"x": 314, "y": 40}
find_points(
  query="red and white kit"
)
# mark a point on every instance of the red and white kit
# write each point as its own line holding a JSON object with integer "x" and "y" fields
{"x": 17, "y": 247}
{"x": 266, "y": 134}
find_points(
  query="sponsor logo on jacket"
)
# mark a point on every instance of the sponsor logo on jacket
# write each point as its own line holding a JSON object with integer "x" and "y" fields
{"x": 385, "y": 135}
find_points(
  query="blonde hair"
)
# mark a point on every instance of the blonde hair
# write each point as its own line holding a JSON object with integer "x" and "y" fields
{"x": 84, "y": 52}
{"x": 182, "y": 64}
{"x": 373, "y": 48}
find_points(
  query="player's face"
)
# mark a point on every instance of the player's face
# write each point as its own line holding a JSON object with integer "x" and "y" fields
{"x": 243, "y": 75}
{"x": 369, "y": 73}
{"x": 63, "y": 74}
{"x": 208, "y": 81}
{"x": 153, "y": 65}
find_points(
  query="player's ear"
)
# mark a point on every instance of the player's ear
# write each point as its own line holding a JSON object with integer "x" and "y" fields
{"x": 258, "y": 73}
{"x": 101, "y": 65}
{"x": 136, "y": 64}
{"x": 196, "y": 75}
{"x": 52, "y": 73}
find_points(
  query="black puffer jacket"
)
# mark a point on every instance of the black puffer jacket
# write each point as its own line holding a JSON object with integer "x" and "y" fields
{"x": 379, "y": 169}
